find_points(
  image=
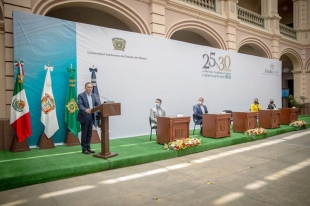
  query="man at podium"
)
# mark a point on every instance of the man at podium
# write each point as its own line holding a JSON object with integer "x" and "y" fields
{"x": 199, "y": 110}
{"x": 157, "y": 111}
{"x": 86, "y": 101}
{"x": 255, "y": 107}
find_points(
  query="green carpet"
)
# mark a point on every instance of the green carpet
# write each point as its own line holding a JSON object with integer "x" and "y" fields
{"x": 38, "y": 166}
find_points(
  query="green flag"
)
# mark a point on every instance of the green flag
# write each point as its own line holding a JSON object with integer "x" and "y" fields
{"x": 71, "y": 105}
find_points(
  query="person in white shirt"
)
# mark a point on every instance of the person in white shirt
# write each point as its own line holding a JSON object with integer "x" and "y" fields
{"x": 199, "y": 110}
{"x": 157, "y": 111}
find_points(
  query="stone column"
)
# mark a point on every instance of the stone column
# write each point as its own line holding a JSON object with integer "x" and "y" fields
{"x": 270, "y": 12}
{"x": 301, "y": 25}
{"x": 307, "y": 86}
{"x": 302, "y": 20}
{"x": 298, "y": 87}
{"x": 2, "y": 73}
{"x": 231, "y": 12}
{"x": 157, "y": 20}
{"x": 8, "y": 7}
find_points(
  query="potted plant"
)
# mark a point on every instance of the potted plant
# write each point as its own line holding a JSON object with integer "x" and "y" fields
{"x": 299, "y": 102}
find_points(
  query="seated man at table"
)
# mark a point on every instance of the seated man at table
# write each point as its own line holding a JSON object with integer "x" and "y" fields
{"x": 157, "y": 111}
{"x": 271, "y": 105}
{"x": 255, "y": 107}
{"x": 199, "y": 110}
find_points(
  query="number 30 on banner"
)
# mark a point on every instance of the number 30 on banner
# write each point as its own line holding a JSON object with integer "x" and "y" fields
{"x": 224, "y": 65}
{"x": 225, "y": 62}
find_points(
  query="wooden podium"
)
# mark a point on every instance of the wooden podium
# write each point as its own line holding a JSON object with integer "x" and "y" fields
{"x": 269, "y": 118}
{"x": 288, "y": 115}
{"x": 106, "y": 110}
{"x": 172, "y": 128}
{"x": 244, "y": 121}
{"x": 216, "y": 125}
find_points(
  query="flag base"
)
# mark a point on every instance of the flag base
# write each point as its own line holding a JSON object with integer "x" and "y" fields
{"x": 17, "y": 146}
{"x": 105, "y": 156}
{"x": 95, "y": 137}
{"x": 71, "y": 140}
{"x": 45, "y": 143}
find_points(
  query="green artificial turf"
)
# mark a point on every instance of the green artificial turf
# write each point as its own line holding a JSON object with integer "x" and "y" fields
{"x": 38, "y": 166}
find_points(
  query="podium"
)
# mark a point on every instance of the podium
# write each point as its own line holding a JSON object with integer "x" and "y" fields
{"x": 216, "y": 125}
{"x": 269, "y": 118}
{"x": 288, "y": 115}
{"x": 106, "y": 110}
{"x": 172, "y": 128}
{"x": 244, "y": 121}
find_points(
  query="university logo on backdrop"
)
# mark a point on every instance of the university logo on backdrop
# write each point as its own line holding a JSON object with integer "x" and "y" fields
{"x": 271, "y": 70}
{"x": 119, "y": 44}
{"x": 216, "y": 67}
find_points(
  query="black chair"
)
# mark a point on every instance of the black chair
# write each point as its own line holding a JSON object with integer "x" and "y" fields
{"x": 195, "y": 124}
{"x": 154, "y": 127}
{"x": 229, "y": 111}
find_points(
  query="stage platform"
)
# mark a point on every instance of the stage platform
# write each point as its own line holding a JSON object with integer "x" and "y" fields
{"x": 38, "y": 166}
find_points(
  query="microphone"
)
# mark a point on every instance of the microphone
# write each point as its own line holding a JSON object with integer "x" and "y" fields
{"x": 109, "y": 101}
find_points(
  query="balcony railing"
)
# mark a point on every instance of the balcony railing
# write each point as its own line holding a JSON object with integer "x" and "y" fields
{"x": 206, "y": 4}
{"x": 251, "y": 17}
{"x": 288, "y": 31}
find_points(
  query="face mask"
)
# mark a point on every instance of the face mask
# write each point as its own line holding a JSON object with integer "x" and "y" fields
{"x": 199, "y": 102}
{"x": 157, "y": 104}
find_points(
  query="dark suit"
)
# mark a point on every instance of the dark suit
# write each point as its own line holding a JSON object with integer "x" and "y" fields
{"x": 272, "y": 106}
{"x": 198, "y": 113}
{"x": 85, "y": 119}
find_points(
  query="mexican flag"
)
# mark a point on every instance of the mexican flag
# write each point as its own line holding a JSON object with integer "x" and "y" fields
{"x": 20, "y": 115}
{"x": 71, "y": 105}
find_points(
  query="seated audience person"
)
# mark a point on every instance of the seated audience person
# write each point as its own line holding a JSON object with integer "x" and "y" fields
{"x": 199, "y": 110}
{"x": 271, "y": 105}
{"x": 157, "y": 111}
{"x": 255, "y": 107}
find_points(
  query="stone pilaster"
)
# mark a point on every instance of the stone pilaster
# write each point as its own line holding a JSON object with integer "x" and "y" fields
{"x": 9, "y": 6}
{"x": 307, "y": 85}
{"x": 299, "y": 88}
{"x": 157, "y": 20}
{"x": 302, "y": 20}
{"x": 231, "y": 12}
{"x": 2, "y": 73}
{"x": 270, "y": 12}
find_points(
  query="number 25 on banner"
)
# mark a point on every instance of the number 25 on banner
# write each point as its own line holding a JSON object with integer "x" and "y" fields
{"x": 210, "y": 62}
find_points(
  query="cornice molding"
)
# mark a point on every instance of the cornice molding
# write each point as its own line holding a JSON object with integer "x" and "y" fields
{"x": 298, "y": 71}
{"x": 159, "y": 2}
{"x": 1, "y": 25}
{"x": 195, "y": 11}
{"x": 291, "y": 43}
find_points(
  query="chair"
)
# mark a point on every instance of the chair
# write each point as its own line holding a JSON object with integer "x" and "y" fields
{"x": 229, "y": 111}
{"x": 154, "y": 127}
{"x": 195, "y": 123}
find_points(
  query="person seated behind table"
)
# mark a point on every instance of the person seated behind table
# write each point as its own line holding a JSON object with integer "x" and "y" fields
{"x": 271, "y": 105}
{"x": 199, "y": 110}
{"x": 157, "y": 111}
{"x": 255, "y": 107}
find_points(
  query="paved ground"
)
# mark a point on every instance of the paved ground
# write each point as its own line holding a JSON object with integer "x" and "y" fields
{"x": 273, "y": 171}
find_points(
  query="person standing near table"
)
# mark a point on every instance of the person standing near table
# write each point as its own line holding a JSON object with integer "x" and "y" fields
{"x": 86, "y": 101}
